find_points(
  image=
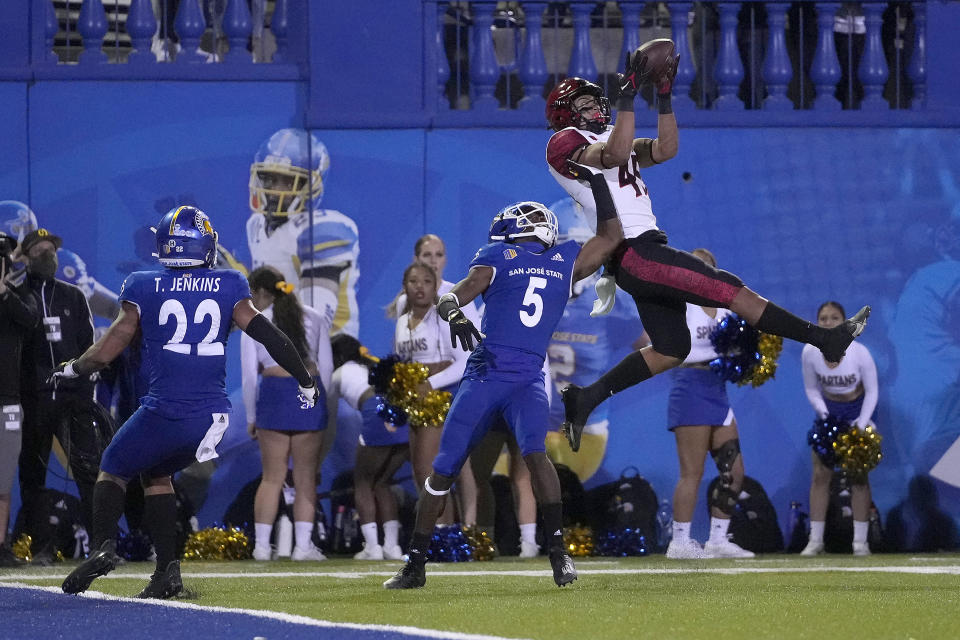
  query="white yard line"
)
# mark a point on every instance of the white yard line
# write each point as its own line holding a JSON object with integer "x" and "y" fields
{"x": 275, "y": 615}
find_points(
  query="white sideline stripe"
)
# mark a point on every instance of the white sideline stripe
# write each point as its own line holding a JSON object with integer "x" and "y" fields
{"x": 529, "y": 573}
{"x": 274, "y": 615}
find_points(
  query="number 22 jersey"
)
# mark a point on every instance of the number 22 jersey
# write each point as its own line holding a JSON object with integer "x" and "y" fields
{"x": 524, "y": 302}
{"x": 185, "y": 318}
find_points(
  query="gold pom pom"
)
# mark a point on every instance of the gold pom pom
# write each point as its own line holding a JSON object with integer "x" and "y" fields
{"x": 578, "y": 540}
{"x": 483, "y": 547}
{"x": 21, "y": 548}
{"x": 217, "y": 544}
{"x": 769, "y": 348}
{"x": 858, "y": 451}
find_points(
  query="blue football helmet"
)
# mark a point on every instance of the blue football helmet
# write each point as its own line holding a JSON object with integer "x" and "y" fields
{"x": 571, "y": 222}
{"x": 16, "y": 219}
{"x": 186, "y": 239}
{"x": 287, "y": 173}
{"x": 524, "y": 220}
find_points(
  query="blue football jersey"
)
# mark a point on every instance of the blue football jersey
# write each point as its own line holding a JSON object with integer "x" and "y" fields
{"x": 185, "y": 318}
{"x": 524, "y": 303}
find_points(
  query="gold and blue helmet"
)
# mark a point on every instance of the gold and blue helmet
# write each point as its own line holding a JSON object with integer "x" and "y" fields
{"x": 185, "y": 238}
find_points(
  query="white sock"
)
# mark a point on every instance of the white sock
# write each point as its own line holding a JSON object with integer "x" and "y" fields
{"x": 860, "y": 530}
{"x": 816, "y": 530}
{"x": 262, "y": 533}
{"x": 391, "y": 533}
{"x": 528, "y": 533}
{"x": 302, "y": 531}
{"x": 681, "y": 531}
{"x": 369, "y": 531}
{"x": 718, "y": 529}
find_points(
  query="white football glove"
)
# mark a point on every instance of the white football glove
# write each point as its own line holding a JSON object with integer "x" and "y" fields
{"x": 308, "y": 396}
{"x": 64, "y": 371}
{"x": 606, "y": 288}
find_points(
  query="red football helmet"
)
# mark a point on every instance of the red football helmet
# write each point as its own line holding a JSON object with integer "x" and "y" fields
{"x": 560, "y": 111}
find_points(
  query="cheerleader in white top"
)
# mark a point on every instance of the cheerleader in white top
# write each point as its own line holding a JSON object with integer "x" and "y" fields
{"x": 283, "y": 432}
{"x": 381, "y": 451}
{"x": 422, "y": 337}
{"x": 700, "y": 416}
{"x": 846, "y": 390}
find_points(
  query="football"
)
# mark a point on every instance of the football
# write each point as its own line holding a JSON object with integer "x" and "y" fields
{"x": 660, "y": 54}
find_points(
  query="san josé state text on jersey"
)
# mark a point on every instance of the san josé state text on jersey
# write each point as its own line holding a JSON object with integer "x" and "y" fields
{"x": 525, "y": 300}
{"x": 185, "y": 318}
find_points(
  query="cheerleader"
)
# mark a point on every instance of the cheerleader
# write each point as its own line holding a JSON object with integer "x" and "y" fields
{"x": 846, "y": 390}
{"x": 381, "y": 451}
{"x": 421, "y": 336}
{"x": 282, "y": 429}
{"x": 700, "y": 416}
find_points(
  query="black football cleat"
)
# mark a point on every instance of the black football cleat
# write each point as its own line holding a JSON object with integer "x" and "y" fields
{"x": 99, "y": 563}
{"x": 413, "y": 575}
{"x": 164, "y": 584}
{"x": 844, "y": 335}
{"x": 575, "y": 415}
{"x": 563, "y": 570}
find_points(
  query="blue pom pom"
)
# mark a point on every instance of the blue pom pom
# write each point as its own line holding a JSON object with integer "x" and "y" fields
{"x": 823, "y": 435}
{"x": 737, "y": 343}
{"x": 382, "y": 372}
{"x": 621, "y": 542}
{"x": 449, "y": 544}
{"x": 390, "y": 412}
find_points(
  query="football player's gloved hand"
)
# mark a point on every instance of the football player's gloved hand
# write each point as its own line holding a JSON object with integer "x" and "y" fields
{"x": 581, "y": 172}
{"x": 634, "y": 76}
{"x": 308, "y": 396}
{"x": 606, "y": 288}
{"x": 665, "y": 81}
{"x": 461, "y": 328}
{"x": 65, "y": 371}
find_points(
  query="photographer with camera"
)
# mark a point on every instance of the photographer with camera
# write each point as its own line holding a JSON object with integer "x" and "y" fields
{"x": 18, "y": 315}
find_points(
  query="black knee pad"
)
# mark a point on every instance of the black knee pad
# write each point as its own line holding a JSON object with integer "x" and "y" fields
{"x": 723, "y": 497}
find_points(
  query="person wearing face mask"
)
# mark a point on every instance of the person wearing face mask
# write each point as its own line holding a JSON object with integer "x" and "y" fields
{"x": 64, "y": 332}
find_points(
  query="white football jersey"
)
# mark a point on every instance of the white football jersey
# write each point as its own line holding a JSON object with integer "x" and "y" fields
{"x": 630, "y": 194}
{"x": 332, "y": 239}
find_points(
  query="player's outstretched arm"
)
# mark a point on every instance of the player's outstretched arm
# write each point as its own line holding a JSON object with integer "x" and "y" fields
{"x": 599, "y": 248}
{"x": 103, "y": 351}
{"x": 278, "y": 345}
{"x": 448, "y": 307}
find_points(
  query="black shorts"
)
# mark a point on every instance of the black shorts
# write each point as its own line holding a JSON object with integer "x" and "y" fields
{"x": 662, "y": 280}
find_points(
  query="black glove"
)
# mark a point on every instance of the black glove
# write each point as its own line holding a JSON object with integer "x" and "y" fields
{"x": 635, "y": 74}
{"x": 665, "y": 81}
{"x": 581, "y": 171}
{"x": 462, "y": 328}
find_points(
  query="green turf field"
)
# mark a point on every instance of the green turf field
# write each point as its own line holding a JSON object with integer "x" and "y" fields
{"x": 884, "y": 596}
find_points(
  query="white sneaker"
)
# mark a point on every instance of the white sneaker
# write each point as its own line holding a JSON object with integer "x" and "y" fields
{"x": 369, "y": 553}
{"x": 529, "y": 549}
{"x": 302, "y": 555}
{"x": 725, "y": 549}
{"x": 689, "y": 550}
{"x": 262, "y": 554}
{"x": 813, "y": 548}
{"x": 393, "y": 553}
{"x": 861, "y": 548}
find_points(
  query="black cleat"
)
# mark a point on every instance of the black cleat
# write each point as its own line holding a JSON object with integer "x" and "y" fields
{"x": 563, "y": 570}
{"x": 164, "y": 584}
{"x": 7, "y": 558}
{"x": 99, "y": 563}
{"x": 413, "y": 575}
{"x": 845, "y": 333}
{"x": 575, "y": 415}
